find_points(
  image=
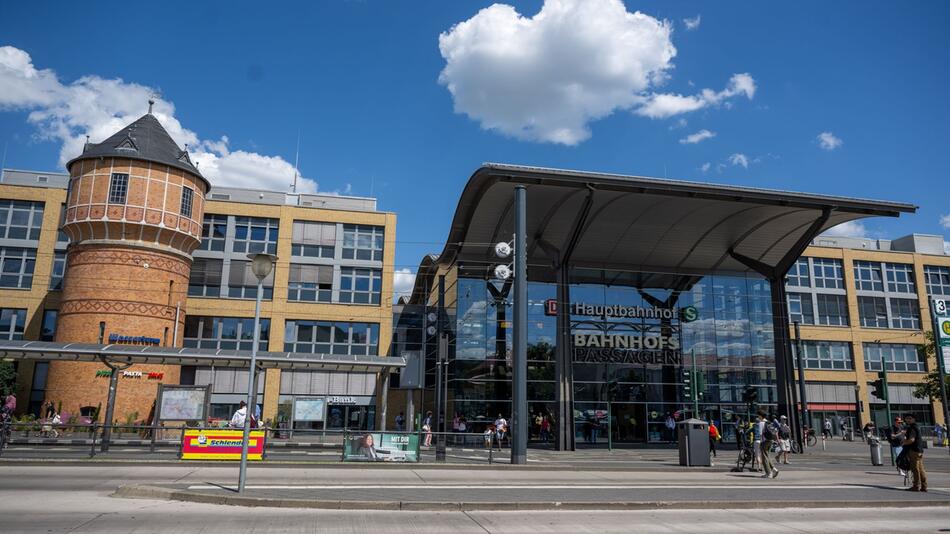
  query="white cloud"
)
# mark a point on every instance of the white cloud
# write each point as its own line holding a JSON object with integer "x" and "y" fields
{"x": 545, "y": 78}
{"x": 98, "y": 107}
{"x": 697, "y": 137}
{"x": 828, "y": 141}
{"x": 740, "y": 160}
{"x": 706, "y": 166}
{"x": 848, "y": 229}
{"x": 693, "y": 23}
{"x": 945, "y": 221}
{"x": 663, "y": 105}
{"x": 403, "y": 280}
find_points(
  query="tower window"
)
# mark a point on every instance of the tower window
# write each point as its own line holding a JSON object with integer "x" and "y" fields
{"x": 118, "y": 188}
{"x": 187, "y": 197}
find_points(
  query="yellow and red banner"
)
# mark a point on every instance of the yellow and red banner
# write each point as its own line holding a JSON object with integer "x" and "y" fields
{"x": 221, "y": 445}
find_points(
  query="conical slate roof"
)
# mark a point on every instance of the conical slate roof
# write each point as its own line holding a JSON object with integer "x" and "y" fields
{"x": 147, "y": 140}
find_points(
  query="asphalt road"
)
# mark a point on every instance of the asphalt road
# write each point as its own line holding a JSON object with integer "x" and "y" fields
{"x": 70, "y": 498}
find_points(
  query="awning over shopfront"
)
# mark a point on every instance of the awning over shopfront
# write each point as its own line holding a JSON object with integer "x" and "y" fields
{"x": 631, "y": 223}
{"x": 122, "y": 354}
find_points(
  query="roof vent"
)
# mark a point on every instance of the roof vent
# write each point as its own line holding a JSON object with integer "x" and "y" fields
{"x": 42, "y": 179}
{"x": 220, "y": 196}
{"x": 127, "y": 144}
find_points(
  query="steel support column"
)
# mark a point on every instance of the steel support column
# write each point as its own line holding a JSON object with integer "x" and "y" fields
{"x": 564, "y": 367}
{"x": 519, "y": 398}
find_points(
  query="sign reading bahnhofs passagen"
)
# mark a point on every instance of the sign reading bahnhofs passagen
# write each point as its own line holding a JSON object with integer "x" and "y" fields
{"x": 592, "y": 346}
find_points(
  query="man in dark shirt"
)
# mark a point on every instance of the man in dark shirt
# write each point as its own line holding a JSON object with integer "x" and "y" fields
{"x": 915, "y": 453}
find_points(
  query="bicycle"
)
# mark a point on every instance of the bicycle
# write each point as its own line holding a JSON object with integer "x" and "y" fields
{"x": 810, "y": 438}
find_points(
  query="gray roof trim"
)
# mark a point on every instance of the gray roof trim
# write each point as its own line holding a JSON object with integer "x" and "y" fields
{"x": 43, "y": 350}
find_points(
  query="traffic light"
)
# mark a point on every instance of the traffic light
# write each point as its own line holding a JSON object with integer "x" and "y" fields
{"x": 688, "y": 385}
{"x": 879, "y": 386}
{"x": 700, "y": 382}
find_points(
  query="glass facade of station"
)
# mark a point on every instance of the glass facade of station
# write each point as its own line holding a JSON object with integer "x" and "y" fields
{"x": 627, "y": 368}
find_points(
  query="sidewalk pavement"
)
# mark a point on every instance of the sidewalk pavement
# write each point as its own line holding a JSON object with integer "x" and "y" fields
{"x": 506, "y": 489}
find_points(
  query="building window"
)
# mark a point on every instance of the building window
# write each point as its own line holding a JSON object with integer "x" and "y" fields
{"x": 48, "y": 330}
{"x": 61, "y": 236}
{"x": 310, "y": 283}
{"x": 12, "y": 323}
{"x": 187, "y": 199}
{"x": 829, "y": 273}
{"x": 362, "y": 242}
{"x": 118, "y": 188}
{"x": 900, "y": 278}
{"x": 798, "y": 274}
{"x": 800, "y": 308}
{"x": 360, "y": 286}
{"x": 224, "y": 333}
{"x": 16, "y": 267}
{"x": 905, "y": 313}
{"x": 873, "y": 312}
{"x": 867, "y": 276}
{"x": 832, "y": 309}
{"x": 323, "y": 337}
{"x": 205, "y": 278}
{"x": 830, "y": 355}
{"x": 899, "y": 357}
{"x": 214, "y": 230}
{"x": 255, "y": 234}
{"x": 937, "y": 279}
{"x": 313, "y": 239}
{"x": 242, "y": 284}
{"x": 59, "y": 269}
{"x": 21, "y": 219}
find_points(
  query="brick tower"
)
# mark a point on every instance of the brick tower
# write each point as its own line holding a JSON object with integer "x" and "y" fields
{"x": 134, "y": 209}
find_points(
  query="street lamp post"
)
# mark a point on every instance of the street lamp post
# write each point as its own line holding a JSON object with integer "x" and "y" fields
{"x": 261, "y": 266}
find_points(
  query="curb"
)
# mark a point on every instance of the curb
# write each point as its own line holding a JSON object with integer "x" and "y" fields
{"x": 169, "y": 494}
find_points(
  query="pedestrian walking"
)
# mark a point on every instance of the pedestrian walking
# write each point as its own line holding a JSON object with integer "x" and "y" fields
{"x": 758, "y": 427}
{"x": 714, "y": 436}
{"x": 767, "y": 433}
{"x": 239, "y": 417}
{"x": 501, "y": 429}
{"x": 784, "y": 441}
{"x": 670, "y": 427}
{"x": 400, "y": 422}
{"x": 826, "y": 429}
{"x": 546, "y": 428}
{"x": 915, "y": 453}
{"x": 895, "y": 436}
{"x": 427, "y": 428}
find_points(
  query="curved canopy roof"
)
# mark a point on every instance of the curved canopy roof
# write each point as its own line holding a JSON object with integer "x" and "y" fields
{"x": 147, "y": 140}
{"x": 632, "y": 223}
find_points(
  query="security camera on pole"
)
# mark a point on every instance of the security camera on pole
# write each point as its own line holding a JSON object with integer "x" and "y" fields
{"x": 519, "y": 269}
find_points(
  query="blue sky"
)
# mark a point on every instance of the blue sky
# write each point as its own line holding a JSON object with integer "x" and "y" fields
{"x": 360, "y": 81}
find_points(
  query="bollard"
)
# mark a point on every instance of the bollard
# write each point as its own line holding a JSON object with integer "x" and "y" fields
{"x": 822, "y": 442}
{"x": 875, "y": 446}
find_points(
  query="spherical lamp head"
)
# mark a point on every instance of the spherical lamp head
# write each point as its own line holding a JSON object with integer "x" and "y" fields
{"x": 262, "y": 264}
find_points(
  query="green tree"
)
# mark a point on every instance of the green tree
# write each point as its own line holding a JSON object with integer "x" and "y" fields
{"x": 7, "y": 378}
{"x": 929, "y": 388}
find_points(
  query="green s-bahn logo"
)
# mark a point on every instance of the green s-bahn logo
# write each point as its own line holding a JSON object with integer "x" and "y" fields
{"x": 689, "y": 314}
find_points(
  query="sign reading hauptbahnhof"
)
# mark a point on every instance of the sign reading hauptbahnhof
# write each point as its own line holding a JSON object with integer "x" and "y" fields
{"x": 592, "y": 346}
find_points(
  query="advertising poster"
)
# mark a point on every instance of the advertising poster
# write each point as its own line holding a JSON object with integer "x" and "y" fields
{"x": 309, "y": 409}
{"x": 381, "y": 447}
{"x": 221, "y": 445}
{"x": 183, "y": 403}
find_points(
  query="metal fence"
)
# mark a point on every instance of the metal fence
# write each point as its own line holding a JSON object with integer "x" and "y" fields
{"x": 94, "y": 439}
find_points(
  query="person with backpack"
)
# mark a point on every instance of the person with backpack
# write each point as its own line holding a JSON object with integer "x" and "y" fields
{"x": 784, "y": 441}
{"x": 768, "y": 436}
{"x": 895, "y": 436}
{"x": 915, "y": 454}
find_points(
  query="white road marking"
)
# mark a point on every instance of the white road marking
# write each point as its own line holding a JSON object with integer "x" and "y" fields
{"x": 544, "y": 486}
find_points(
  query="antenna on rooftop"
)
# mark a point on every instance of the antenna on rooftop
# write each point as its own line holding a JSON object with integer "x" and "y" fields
{"x": 293, "y": 186}
{"x": 151, "y": 103}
